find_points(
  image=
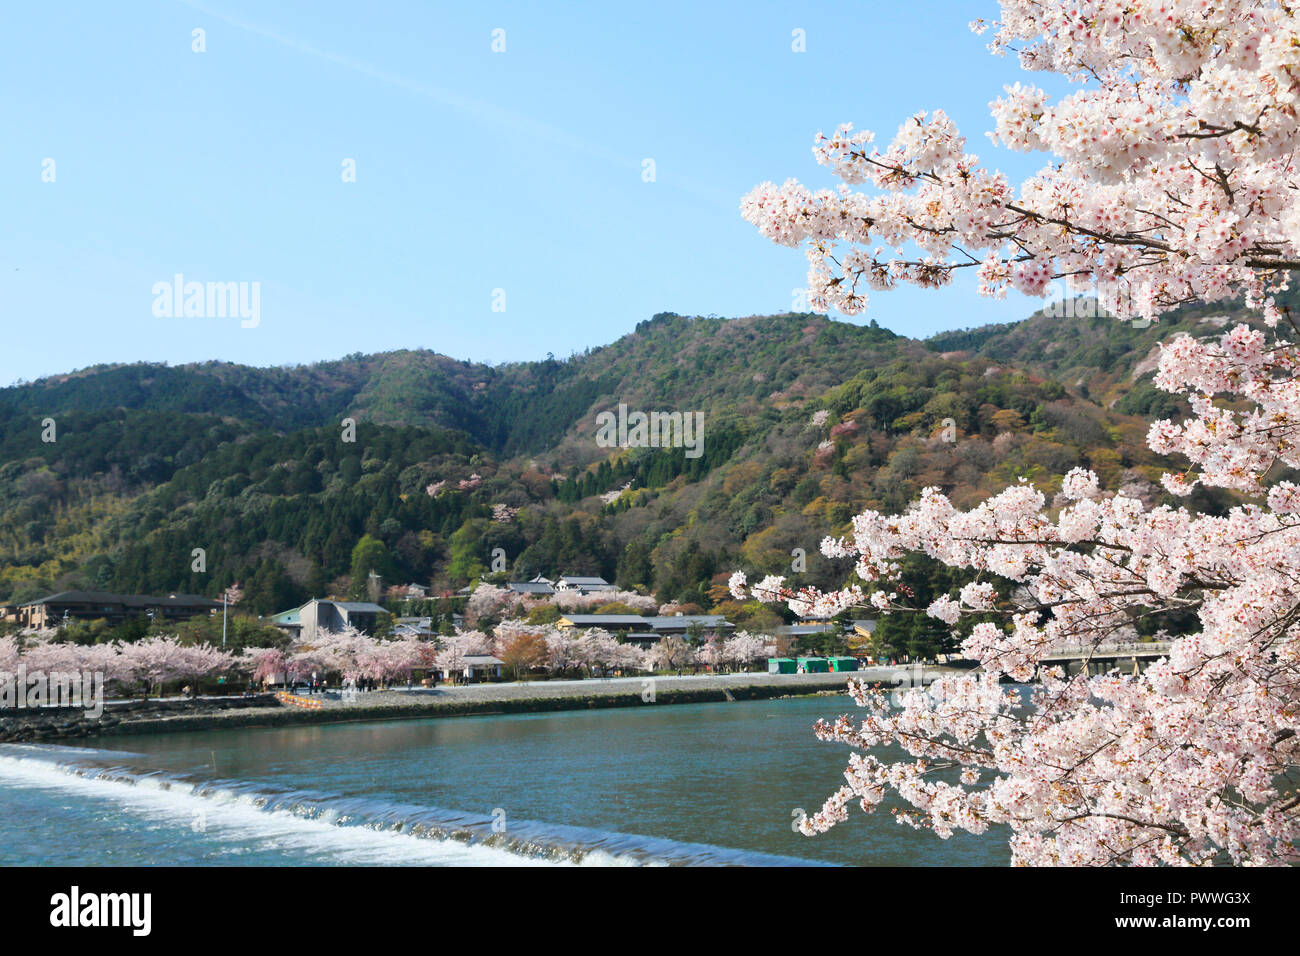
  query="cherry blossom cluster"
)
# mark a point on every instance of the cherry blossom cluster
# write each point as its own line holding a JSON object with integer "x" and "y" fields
{"x": 1187, "y": 762}
{"x": 354, "y": 655}
{"x": 1171, "y": 175}
{"x": 492, "y": 601}
{"x": 573, "y": 600}
{"x": 1231, "y": 448}
{"x": 739, "y": 650}
{"x": 589, "y": 649}
{"x": 127, "y": 666}
{"x": 1172, "y": 180}
{"x": 670, "y": 653}
{"x": 453, "y": 649}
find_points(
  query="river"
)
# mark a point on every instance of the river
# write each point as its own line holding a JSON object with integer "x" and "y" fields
{"x": 697, "y": 784}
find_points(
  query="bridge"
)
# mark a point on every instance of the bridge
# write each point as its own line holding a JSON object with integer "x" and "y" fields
{"x": 1133, "y": 656}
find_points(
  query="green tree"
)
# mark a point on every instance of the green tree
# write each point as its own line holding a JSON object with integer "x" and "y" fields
{"x": 370, "y": 554}
{"x": 465, "y": 551}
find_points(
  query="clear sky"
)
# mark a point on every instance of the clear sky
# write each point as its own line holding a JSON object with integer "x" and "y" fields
{"x": 475, "y": 170}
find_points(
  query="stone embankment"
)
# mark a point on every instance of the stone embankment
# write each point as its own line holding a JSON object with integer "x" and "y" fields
{"x": 62, "y": 723}
{"x": 264, "y": 710}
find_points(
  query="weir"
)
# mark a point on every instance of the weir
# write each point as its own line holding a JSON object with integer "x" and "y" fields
{"x": 242, "y": 803}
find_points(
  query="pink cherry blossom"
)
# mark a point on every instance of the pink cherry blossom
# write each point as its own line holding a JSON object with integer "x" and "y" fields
{"x": 1172, "y": 180}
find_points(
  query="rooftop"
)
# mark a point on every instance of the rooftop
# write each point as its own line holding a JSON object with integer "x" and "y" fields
{"x": 674, "y": 621}
{"x": 357, "y": 606}
{"x": 531, "y": 587}
{"x": 128, "y": 600}
{"x": 595, "y": 620}
{"x": 790, "y": 630}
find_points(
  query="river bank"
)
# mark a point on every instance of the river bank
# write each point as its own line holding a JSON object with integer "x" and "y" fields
{"x": 160, "y": 717}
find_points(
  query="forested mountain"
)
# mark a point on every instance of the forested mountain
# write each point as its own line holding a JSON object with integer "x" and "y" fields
{"x": 705, "y": 364}
{"x": 1101, "y": 358}
{"x": 807, "y": 421}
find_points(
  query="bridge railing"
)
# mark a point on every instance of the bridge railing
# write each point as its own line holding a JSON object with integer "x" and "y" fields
{"x": 1111, "y": 650}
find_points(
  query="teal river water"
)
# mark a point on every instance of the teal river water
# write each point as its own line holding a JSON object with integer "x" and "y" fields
{"x": 695, "y": 784}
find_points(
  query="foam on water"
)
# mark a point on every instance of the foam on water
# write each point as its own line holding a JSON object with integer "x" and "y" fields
{"x": 226, "y": 816}
{"x": 243, "y": 817}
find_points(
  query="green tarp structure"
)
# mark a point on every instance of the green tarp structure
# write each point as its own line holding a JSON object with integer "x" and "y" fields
{"x": 814, "y": 665}
{"x": 841, "y": 664}
{"x": 780, "y": 665}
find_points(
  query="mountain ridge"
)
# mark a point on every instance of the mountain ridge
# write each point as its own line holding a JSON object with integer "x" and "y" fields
{"x": 152, "y": 461}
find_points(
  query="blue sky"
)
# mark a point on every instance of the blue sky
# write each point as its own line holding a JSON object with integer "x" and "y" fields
{"x": 475, "y": 170}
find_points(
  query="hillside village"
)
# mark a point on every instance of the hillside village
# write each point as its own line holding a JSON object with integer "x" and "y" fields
{"x": 469, "y": 482}
{"x": 571, "y": 607}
